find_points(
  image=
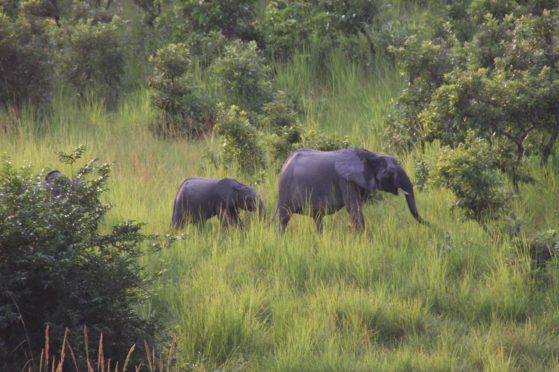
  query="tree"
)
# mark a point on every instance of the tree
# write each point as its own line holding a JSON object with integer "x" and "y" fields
{"x": 26, "y": 61}
{"x": 57, "y": 267}
{"x": 502, "y": 84}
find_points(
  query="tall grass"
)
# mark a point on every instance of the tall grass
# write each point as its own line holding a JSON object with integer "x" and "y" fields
{"x": 399, "y": 296}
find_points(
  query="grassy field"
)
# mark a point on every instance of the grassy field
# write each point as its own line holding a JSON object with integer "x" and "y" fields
{"x": 399, "y": 296}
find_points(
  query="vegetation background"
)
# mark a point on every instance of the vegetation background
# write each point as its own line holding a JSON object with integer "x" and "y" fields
{"x": 173, "y": 89}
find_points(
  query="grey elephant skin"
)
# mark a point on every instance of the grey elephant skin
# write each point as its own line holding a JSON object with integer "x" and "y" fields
{"x": 318, "y": 183}
{"x": 199, "y": 199}
{"x": 58, "y": 183}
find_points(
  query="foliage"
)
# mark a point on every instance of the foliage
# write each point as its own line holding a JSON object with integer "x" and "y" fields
{"x": 468, "y": 171}
{"x": 350, "y": 17}
{"x": 425, "y": 64}
{"x": 92, "y": 59}
{"x": 151, "y": 8}
{"x": 543, "y": 247}
{"x": 280, "y": 118}
{"x": 285, "y": 27}
{"x": 290, "y": 26}
{"x": 422, "y": 169}
{"x": 279, "y": 113}
{"x": 57, "y": 268}
{"x": 207, "y": 47}
{"x": 502, "y": 84}
{"x": 233, "y": 18}
{"x": 26, "y": 61}
{"x": 184, "y": 109}
{"x": 313, "y": 139}
{"x": 244, "y": 74}
{"x": 241, "y": 140}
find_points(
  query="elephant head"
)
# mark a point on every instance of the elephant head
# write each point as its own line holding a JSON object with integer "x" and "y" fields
{"x": 372, "y": 171}
{"x": 241, "y": 196}
{"x": 58, "y": 183}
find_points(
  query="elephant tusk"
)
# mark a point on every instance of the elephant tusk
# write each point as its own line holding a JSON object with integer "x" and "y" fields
{"x": 404, "y": 191}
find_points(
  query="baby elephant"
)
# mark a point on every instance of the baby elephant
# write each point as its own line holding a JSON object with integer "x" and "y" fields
{"x": 201, "y": 198}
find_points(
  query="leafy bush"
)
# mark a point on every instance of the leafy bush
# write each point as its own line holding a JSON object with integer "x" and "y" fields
{"x": 151, "y": 8}
{"x": 241, "y": 140}
{"x": 183, "y": 107}
{"x": 279, "y": 113}
{"x": 92, "y": 59}
{"x": 501, "y": 81}
{"x": 232, "y": 18}
{"x": 543, "y": 248}
{"x": 57, "y": 268}
{"x": 286, "y": 27}
{"x": 469, "y": 172}
{"x": 422, "y": 169}
{"x": 289, "y": 26}
{"x": 244, "y": 74}
{"x": 313, "y": 139}
{"x": 206, "y": 48}
{"x": 280, "y": 117}
{"x": 425, "y": 64}
{"x": 26, "y": 61}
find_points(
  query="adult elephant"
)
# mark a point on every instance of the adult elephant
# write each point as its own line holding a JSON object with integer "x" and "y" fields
{"x": 318, "y": 183}
{"x": 201, "y": 198}
{"x": 59, "y": 184}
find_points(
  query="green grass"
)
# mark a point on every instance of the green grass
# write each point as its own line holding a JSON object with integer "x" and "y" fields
{"x": 399, "y": 296}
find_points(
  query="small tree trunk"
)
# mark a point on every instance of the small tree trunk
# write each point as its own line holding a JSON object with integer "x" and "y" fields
{"x": 548, "y": 147}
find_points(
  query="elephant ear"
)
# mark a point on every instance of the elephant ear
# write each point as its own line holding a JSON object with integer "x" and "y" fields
{"x": 227, "y": 190}
{"x": 351, "y": 167}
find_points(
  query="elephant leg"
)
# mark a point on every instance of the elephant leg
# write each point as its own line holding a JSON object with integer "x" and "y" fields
{"x": 179, "y": 225}
{"x": 318, "y": 222}
{"x": 230, "y": 217}
{"x": 353, "y": 202}
{"x": 357, "y": 219}
{"x": 284, "y": 216}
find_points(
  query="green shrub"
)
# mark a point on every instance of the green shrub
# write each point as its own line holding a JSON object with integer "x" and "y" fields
{"x": 502, "y": 81}
{"x": 289, "y": 26}
{"x": 241, "y": 143}
{"x": 313, "y": 139}
{"x": 232, "y": 18}
{"x": 92, "y": 59}
{"x": 183, "y": 108}
{"x": 469, "y": 172}
{"x": 206, "y": 48}
{"x": 286, "y": 27}
{"x": 543, "y": 248}
{"x": 151, "y": 8}
{"x": 245, "y": 76}
{"x": 422, "y": 169}
{"x": 279, "y": 113}
{"x": 26, "y": 61}
{"x": 58, "y": 268}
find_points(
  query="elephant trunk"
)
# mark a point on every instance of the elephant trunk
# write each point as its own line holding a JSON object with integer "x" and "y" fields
{"x": 407, "y": 187}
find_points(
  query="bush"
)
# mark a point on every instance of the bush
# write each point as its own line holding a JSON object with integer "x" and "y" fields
{"x": 92, "y": 59}
{"x": 233, "y": 18}
{"x": 313, "y": 139}
{"x": 182, "y": 106}
{"x": 244, "y": 75}
{"x": 501, "y": 81}
{"x": 241, "y": 140}
{"x": 543, "y": 248}
{"x": 279, "y": 113}
{"x": 206, "y": 48}
{"x": 57, "y": 268}
{"x": 26, "y": 62}
{"x": 469, "y": 172}
{"x": 285, "y": 28}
